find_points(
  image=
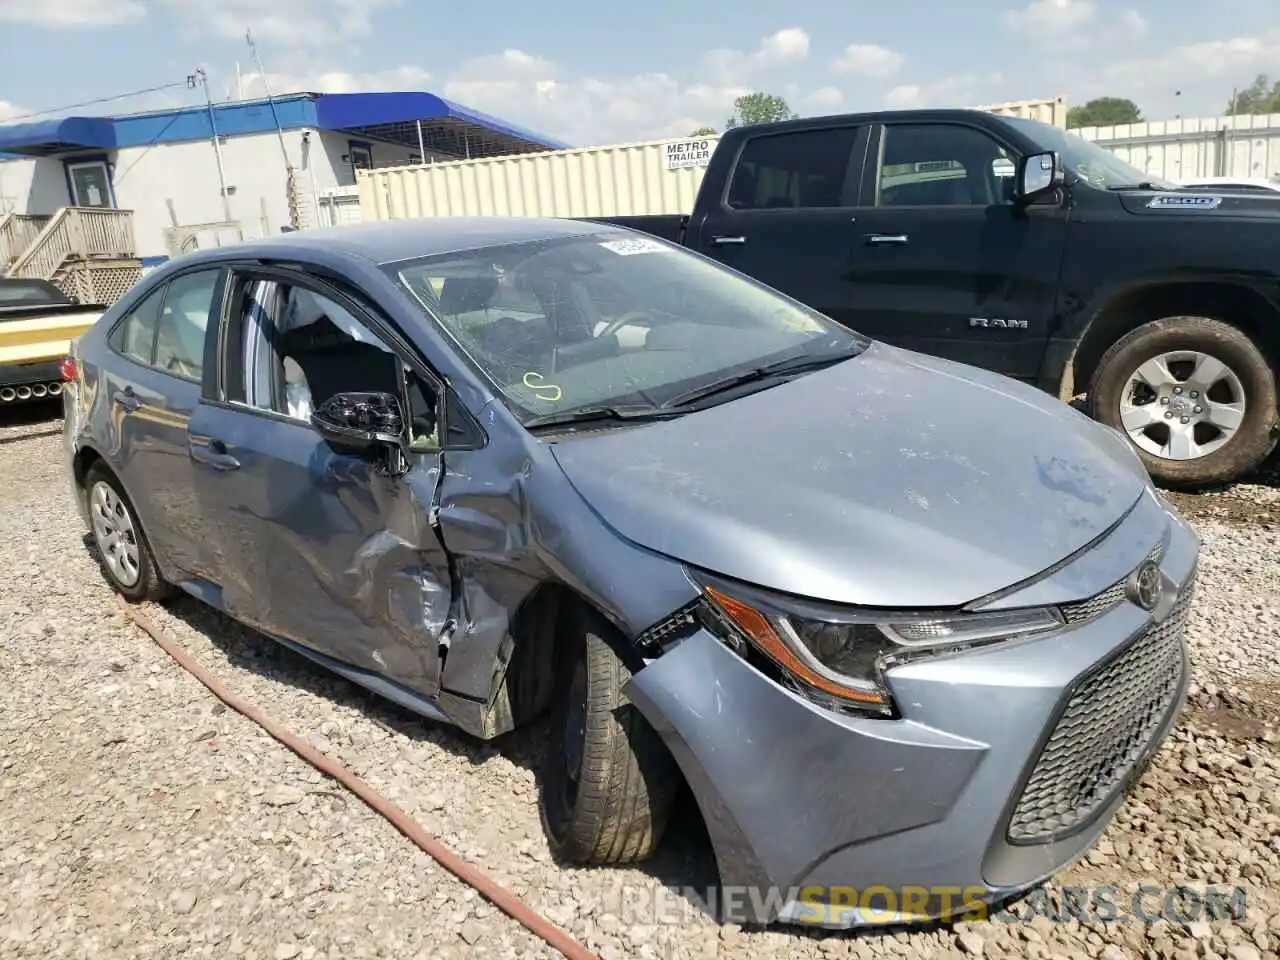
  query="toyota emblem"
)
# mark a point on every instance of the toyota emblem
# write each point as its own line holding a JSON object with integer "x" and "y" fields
{"x": 1145, "y": 586}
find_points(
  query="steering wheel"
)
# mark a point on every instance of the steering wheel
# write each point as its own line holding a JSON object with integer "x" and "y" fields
{"x": 617, "y": 323}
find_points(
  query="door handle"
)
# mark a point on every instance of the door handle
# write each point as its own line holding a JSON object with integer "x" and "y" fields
{"x": 127, "y": 399}
{"x": 894, "y": 238}
{"x": 723, "y": 240}
{"x": 212, "y": 453}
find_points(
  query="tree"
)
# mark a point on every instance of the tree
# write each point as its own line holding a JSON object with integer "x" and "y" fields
{"x": 1104, "y": 112}
{"x": 704, "y": 132}
{"x": 759, "y": 108}
{"x": 1261, "y": 96}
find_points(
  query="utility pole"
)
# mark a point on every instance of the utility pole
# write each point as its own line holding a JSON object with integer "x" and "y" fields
{"x": 201, "y": 79}
{"x": 291, "y": 191}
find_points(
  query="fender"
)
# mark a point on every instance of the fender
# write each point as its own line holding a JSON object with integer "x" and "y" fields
{"x": 1081, "y": 315}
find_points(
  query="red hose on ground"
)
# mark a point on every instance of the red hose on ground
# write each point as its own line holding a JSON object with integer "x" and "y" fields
{"x": 503, "y": 899}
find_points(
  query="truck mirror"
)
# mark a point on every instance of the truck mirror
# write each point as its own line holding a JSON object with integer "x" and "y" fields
{"x": 1038, "y": 174}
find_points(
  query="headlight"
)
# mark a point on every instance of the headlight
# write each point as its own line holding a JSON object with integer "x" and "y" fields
{"x": 842, "y": 654}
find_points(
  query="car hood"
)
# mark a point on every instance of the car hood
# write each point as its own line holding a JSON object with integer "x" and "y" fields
{"x": 892, "y": 479}
{"x": 1212, "y": 204}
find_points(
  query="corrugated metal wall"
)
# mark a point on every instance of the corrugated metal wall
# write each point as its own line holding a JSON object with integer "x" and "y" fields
{"x": 1244, "y": 146}
{"x": 1052, "y": 111}
{"x": 632, "y": 179}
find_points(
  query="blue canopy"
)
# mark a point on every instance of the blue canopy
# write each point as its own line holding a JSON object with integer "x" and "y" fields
{"x": 57, "y": 136}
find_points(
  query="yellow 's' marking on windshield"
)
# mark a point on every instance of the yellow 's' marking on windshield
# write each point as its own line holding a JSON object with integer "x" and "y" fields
{"x": 546, "y": 392}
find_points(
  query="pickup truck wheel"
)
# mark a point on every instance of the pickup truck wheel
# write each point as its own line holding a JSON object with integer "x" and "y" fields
{"x": 123, "y": 551}
{"x": 609, "y": 782}
{"x": 1195, "y": 396}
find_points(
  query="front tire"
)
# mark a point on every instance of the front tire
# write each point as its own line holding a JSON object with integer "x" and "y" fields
{"x": 609, "y": 781}
{"x": 123, "y": 551}
{"x": 1195, "y": 396}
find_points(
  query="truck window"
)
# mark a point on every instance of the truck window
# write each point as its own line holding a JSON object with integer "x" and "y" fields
{"x": 942, "y": 165}
{"x": 807, "y": 168}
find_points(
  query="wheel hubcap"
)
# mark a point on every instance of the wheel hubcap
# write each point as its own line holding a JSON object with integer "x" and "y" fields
{"x": 1182, "y": 405}
{"x": 113, "y": 532}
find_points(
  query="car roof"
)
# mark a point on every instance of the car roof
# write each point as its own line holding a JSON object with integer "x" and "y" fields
{"x": 389, "y": 241}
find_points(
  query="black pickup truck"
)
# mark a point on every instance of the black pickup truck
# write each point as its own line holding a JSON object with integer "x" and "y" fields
{"x": 1012, "y": 245}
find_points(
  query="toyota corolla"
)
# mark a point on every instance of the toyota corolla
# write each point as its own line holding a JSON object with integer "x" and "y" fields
{"x": 897, "y": 622}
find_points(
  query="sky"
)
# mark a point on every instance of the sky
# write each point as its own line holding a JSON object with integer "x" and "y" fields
{"x": 592, "y": 72}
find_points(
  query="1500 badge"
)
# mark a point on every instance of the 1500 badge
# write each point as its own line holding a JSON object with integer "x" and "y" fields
{"x": 1169, "y": 201}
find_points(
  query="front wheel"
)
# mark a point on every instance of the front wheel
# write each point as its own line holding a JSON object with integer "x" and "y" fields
{"x": 609, "y": 781}
{"x": 1195, "y": 396}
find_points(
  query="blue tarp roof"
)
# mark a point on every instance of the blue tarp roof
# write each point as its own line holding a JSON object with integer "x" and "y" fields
{"x": 449, "y": 127}
{"x": 345, "y": 111}
{"x": 56, "y": 136}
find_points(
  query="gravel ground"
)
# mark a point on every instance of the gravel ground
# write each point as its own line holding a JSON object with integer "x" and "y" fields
{"x": 143, "y": 819}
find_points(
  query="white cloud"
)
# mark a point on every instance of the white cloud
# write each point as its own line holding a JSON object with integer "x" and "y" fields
{"x": 295, "y": 23}
{"x": 1043, "y": 18}
{"x": 823, "y": 100}
{"x": 1133, "y": 24}
{"x": 10, "y": 110}
{"x": 960, "y": 90}
{"x": 332, "y": 81}
{"x": 869, "y": 60}
{"x": 71, "y": 13}
{"x": 787, "y": 46}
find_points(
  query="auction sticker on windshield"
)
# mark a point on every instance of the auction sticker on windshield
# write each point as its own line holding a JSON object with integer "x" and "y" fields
{"x": 627, "y": 248}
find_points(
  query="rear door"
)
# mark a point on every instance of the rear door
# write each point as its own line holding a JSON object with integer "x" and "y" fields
{"x": 332, "y": 550}
{"x": 944, "y": 262}
{"x": 786, "y": 218}
{"x": 153, "y": 388}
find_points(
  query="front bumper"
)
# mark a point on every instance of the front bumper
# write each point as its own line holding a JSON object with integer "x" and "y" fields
{"x": 840, "y": 821}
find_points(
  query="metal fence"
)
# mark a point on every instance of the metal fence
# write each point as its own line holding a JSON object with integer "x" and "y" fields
{"x": 1241, "y": 146}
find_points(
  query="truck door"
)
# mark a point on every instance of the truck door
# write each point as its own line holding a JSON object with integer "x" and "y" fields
{"x": 943, "y": 261}
{"x": 786, "y": 215}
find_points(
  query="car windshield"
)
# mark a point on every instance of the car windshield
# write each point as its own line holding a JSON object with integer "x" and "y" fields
{"x": 611, "y": 319}
{"x": 1090, "y": 162}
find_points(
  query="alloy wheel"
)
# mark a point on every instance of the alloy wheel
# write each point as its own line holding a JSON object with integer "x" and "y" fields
{"x": 1182, "y": 405}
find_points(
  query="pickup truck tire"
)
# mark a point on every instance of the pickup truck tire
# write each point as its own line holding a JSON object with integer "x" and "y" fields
{"x": 1196, "y": 396}
{"x": 609, "y": 782}
{"x": 123, "y": 551}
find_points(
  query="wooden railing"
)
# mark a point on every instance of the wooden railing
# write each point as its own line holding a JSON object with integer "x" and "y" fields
{"x": 80, "y": 233}
{"x": 17, "y": 231}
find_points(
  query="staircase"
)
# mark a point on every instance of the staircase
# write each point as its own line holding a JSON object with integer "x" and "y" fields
{"x": 87, "y": 252}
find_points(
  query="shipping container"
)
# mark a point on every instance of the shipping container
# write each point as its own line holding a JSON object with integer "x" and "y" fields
{"x": 1052, "y": 111}
{"x": 630, "y": 179}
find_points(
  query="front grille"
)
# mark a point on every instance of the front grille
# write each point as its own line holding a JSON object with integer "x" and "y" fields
{"x": 1107, "y": 726}
{"x": 1114, "y": 595}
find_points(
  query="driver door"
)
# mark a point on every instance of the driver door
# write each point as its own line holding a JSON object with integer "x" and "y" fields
{"x": 329, "y": 549}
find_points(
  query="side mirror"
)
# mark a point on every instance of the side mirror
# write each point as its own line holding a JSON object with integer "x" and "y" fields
{"x": 1037, "y": 175}
{"x": 360, "y": 421}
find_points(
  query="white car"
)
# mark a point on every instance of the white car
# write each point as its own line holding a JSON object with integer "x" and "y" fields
{"x": 1236, "y": 184}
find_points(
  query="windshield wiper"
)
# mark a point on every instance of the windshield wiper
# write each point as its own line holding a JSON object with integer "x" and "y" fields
{"x": 777, "y": 368}
{"x": 592, "y": 414}
{"x": 1144, "y": 185}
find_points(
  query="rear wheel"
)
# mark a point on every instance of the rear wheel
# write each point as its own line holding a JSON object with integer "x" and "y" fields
{"x": 609, "y": 782}
{"x": 123, "y": 551}
{"x": 1195, "y": 396}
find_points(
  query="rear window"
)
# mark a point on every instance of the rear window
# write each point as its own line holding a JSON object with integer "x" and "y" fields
{"x": 19, "y": 293}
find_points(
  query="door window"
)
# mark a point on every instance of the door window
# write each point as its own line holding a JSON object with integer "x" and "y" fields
{"x": 90, "y": 184}
{"x": 942, "y": 165}
{"x": 135, "y": 335}
{"x": 804, "y": 169}
{"x": 300, "y": 347}
{"x": 183, "y": 321}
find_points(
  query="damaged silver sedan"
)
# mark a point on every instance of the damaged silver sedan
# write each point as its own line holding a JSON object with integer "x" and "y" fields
{"x": 900, "y": 624}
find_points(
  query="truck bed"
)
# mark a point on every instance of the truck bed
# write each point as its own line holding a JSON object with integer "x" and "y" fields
{"x": 667, "y": 226}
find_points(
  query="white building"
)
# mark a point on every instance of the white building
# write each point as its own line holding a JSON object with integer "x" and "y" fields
{"x": 277, "y": 160}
